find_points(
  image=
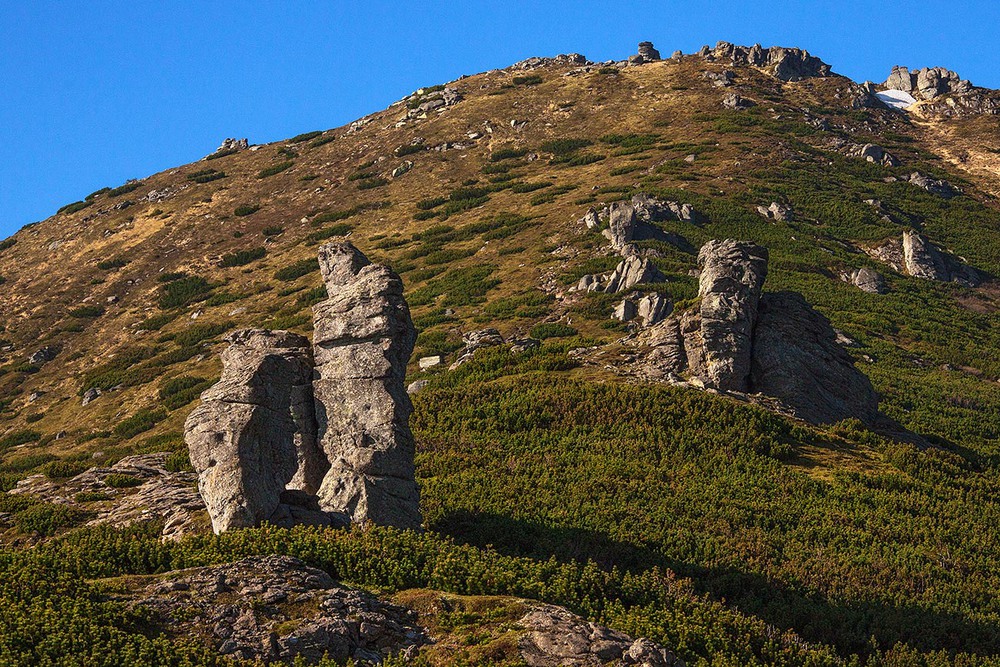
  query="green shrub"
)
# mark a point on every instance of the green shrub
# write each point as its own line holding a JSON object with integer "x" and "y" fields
{"x": 96, "y": 193}
{"x": 47, "y": 519}
{"x": 297, "y": 270}
{"x": 305, "y": 136}
{"x": 273, "y": 230}
{"x": 333, "y": 230}
{"x": 433, "y": 202}
{"x": 565, "y": 146}
{"x": 206, "y": 175}
{"x": 529, "y": 80}
{"x": 322, "y": 141}
{"x": 545, "y": 330}
{"x": 274, "y": 169}
{"x": 184, "y": 291}
{"x": 117, "y": 480}
{"x": 7, "y": 243}
{"x": 246, "y": 209}
{"x": 63, "y": 469}
{"x": 409, "y": 149}
{"x": 180, "y": 391}
{"x": 371, "y": 183}
{"x": 521, "y": 188}
{"x": 87, "y": 311}
{"x": 124, "y": 189}
{"x": 170, "y": 277}
{"x": 507, "y": 154}
{"x": 111, "y": 264}
{"x": 156, "y": 322}
{"x": 74, "y": 207}
{"x": 178, "y": 461}
{"x": 224, "y": 153}
{"x": 140, "y": 422}
{"x": 242, "y": 257}
{"x": 197, "y": 333}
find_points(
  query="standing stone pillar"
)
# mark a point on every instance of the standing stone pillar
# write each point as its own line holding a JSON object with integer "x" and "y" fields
{"x": 362, "y": 341}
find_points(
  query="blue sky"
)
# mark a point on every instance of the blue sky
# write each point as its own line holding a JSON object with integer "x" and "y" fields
{"x": 94, "y": 93}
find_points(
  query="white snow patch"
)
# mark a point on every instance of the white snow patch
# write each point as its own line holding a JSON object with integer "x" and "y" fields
{"x": 896, "y": 99}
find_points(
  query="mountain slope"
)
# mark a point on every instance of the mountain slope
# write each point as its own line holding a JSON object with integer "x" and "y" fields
{"x": 847, "y": 539}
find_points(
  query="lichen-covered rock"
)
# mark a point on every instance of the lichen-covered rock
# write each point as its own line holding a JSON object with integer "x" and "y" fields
{"x": 254, "y": 433}
{"x": 867, "y": 280}
{"x": 276, "y": 608}
{"x": 363, "y": 338}
{"x": 914, "y": 255}
{"x": 555, "y": 637}
{"x": 731, "y": 280}
{"x": 786, "y": 64}
{"x": 797, "y": 360}
{"x": 158, "y": 495}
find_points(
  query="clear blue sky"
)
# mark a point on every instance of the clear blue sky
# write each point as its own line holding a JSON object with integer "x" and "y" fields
{"x": 94, "y": 93}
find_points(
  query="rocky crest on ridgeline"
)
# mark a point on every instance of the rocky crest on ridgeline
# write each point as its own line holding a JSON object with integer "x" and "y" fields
{"x": 740, "y": 340}
{"x": 786, "y": 64}
{"x": 316, "y": 433}
{"x": 362, "y": 341}
{"x": 943, "y": 92}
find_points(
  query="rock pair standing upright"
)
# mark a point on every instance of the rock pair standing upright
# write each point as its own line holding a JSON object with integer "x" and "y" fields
{"x": 294, "y": 433}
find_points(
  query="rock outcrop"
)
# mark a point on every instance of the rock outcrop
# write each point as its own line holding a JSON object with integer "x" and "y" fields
{"x": 873, "y": 153}
{"x": 736, "y": 102}
{"x": 231, "y": 145}
{"x": 786, "y": 64}
{"x": 276, "y": 608}
{"x": 914, "y": 255}
{"x": 738, "y": 340}
{"x": 867, "y": 280}
{"x": 934, "y": 186}
{"x": 555, "y": 637}
{"x": 732, "y": 277}
{"x": 776, "y": 211}
{"x": 316, "y": 433}
{"x": 153, "y": 494}
{"x": 362, "y": 341}
{"x": 631, "y": 271}
{"x": 796, "y": 359}
{"x": 254, "y": 434}
{"x": 647, "y": 54}
{"x": 927, "y": 83}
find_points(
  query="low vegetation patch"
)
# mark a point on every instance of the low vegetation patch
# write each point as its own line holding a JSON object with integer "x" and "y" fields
{"x": 242, "y": 257}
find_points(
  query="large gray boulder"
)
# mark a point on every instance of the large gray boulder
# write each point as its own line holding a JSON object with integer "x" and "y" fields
{"x": 922, "y": 259}
{"x": 732, "y": 276}
{"x": 254, "y": 433}
{"x": 362, "y": 342}
{"x": 797, "y": 360}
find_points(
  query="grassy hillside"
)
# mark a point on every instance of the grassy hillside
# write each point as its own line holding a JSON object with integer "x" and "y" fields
{"x": 732, "y": 534}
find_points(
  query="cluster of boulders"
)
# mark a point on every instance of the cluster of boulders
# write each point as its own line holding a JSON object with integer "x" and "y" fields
{"x": 935, "y": 186}
{"x": 317, "y": 434}
{"x": 737, "y": 102}
{"x": 739, "y": 340}
{"x": 647, "y": 54}
{"x": 232, "y": 145}
{"x": 426, "y": 100}
{"x": 872, "y": 153}
{"x": 786, "y": 64}
{"x": 776, "y": 211}
{"x": 915, "y": 255}
{"x": 927, "y": 83}
{"x": 623, "y": 223}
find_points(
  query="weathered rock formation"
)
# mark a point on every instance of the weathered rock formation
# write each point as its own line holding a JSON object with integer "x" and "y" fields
{"x": 776, "y": 211}
{"x": 734, "y": 101}
{"x": 873, "y": 153}
{"x": 914, "y": 255}
{"x": 231, "y": 145}
{"x": 363, "y": 338}
{"x": 555, "y": 637}
{"x": 738, "y": 340}
{"x": 276, "y": 608}
{"x": 157, "y": 495}
{"x": 647, "y": 54}
{"x": 932, "y": 185}
{"x": 732, "y": 277}
{"x": 631, "y": 271}
{"x": 927, "y": 83}
{"x": 796, "y": 359}
{"x": 786, "y": 64}
{"x": 299, "y": 433}
{"x": 254, "y": 434}
{"x": 647, "y": 309}
{"x": 866, "y": 280}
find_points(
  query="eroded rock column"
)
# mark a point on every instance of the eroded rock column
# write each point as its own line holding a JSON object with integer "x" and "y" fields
{"x": 362, "y": 341}
{"x": 732, "y": 276}
{"x": 253, "y": 435}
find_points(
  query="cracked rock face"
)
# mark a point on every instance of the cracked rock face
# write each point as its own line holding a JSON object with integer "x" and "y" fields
{"x": 797, "y": 360}
{"x": 915, "y": 255}
{"x": 732, "y": 276}
{"x": 363, "y": 338}
{"x": 253, "y": 435}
